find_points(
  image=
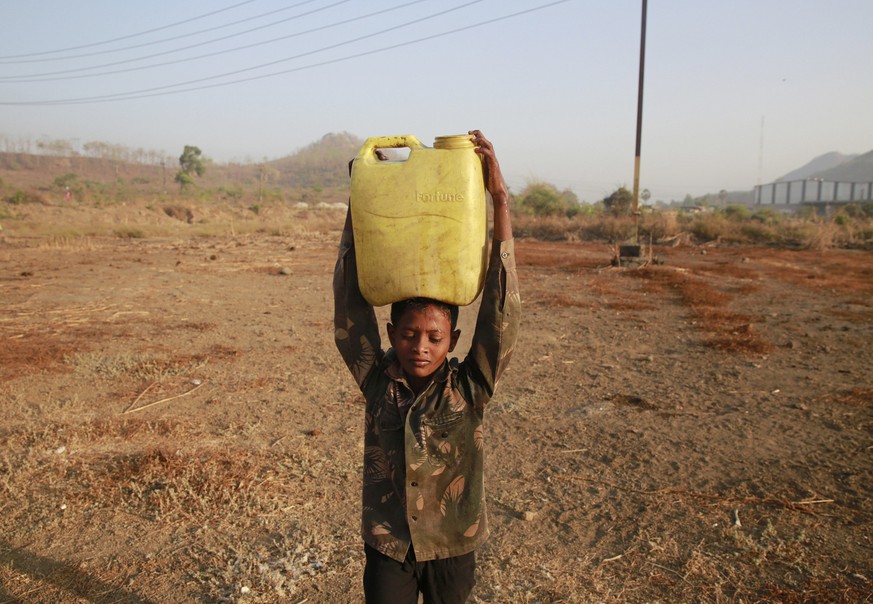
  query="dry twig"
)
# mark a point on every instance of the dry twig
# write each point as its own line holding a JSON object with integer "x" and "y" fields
{"x": 797, "y": 506}
{"x": 136, "y": 400}
{"x": 163, "y": 400}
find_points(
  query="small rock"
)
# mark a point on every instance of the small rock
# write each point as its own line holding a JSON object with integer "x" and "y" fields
{"x": 529, "y": 516}
{"x": 61, "y": 450}
{"x": 284, "y": 271}
{"x": 315, "y": 432}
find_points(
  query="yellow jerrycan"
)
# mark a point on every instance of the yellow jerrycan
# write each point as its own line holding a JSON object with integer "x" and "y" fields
{"x": 420, "y": 223}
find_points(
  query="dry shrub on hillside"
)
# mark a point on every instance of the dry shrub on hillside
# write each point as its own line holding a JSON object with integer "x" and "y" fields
{"x": 180, "y": 213}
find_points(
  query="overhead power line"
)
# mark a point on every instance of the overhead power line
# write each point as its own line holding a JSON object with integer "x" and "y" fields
{"x": 131, "y": 36}
{"x": 178, "y": 37}
{"x": 63, "y": 75}
{"x": 164, "y": 90}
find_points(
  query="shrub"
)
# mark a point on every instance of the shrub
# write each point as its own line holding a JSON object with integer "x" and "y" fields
{"x": 736, "y": 212}
{"x": 619, "y": 202}
{"x": 767, "y": 216}
{"x": 545, "y": 228}
{"x": 130, "y": 233}
{"x": 708, "y": 227}
{"x": 609, "y": 228}
{"x": 67, "y": 180}
{"x": 543, "y": 199}
{"x": 755, "y": 232}
{"x": 842, "y": 219}
{"x": 660, "y": 225}
{"x": 859, "y": 210}
{"x": 22, "y": 197}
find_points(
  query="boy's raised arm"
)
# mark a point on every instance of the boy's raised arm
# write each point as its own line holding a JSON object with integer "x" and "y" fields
{"x": 500, "y": 309}
{"x": 356, "y": 331}
{"x": 495, "y": 185}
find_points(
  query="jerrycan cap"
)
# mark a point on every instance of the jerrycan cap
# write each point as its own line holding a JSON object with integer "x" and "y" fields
{"x": 454, "y": 141}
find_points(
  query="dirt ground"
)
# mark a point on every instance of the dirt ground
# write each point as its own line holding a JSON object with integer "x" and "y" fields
{"x": 178, "y": 427}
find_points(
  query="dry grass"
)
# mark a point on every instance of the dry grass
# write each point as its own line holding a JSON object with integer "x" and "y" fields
{"x": 724, "y": 329}
{"x": 20, "y": 355}
{"x": 224, "y": 496}
{"x": 760, "y": 227}
{"x": 562, "y": 257}
{"x": 200, "y": 499}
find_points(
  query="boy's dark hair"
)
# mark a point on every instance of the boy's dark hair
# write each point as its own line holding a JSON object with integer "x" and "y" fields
{"x": 400, "y": 307}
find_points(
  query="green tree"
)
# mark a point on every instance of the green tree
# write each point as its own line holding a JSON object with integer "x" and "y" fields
{"x": 190, "y": 164}
{"x": 619, "y": 202}
{"x": 737, "y": 212}
{"x": 543, "y": 199}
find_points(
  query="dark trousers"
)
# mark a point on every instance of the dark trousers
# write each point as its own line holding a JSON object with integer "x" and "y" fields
{"x": 446, "y": 581}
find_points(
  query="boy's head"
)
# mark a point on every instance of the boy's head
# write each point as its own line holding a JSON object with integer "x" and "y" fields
{"x": 450, "y": 310}
{"x": 422, "y": 332}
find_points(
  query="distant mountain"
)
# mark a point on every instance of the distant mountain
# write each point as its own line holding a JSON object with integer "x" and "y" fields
{"x": 320, "y": 168}
{"x": 857, "y": 169}
{"x": 323, "y": 163}
{"x": 822, "y": 163}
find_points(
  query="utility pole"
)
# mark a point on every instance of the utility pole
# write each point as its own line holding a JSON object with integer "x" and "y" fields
{"x": 636, "y": 199}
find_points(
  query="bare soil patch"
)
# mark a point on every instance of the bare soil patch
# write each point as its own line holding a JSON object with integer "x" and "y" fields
{"x": 178, "y": 427}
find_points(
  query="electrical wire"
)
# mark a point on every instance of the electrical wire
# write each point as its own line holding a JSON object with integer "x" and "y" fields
{"x": 162, "y": 90}
{"x": 181, "y": 36}
{"x": 16, "y": 80}
{"x": 130, "y": 36}
{"x": 274, "y": 62}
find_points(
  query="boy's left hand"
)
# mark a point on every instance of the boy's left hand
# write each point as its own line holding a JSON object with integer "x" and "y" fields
{"x": 491, "y": 168}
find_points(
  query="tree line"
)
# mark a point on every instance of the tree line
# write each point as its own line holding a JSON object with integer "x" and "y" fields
{"x": 57, "y": 147}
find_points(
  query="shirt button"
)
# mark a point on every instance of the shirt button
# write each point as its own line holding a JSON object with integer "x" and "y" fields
{"x": 445, "y": 434}
{"x": 504, "y": 255}
{"x": 414, "y": 518}
{"x": 413, "y": 483}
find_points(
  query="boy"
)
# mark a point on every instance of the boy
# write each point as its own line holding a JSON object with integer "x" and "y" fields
{"x": 423, "y": 496}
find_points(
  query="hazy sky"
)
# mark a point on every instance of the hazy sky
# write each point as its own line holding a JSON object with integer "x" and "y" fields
{"x": 736, "y": 91}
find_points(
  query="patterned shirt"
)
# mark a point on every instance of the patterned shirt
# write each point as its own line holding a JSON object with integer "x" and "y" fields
{"x": 424, "y": 455}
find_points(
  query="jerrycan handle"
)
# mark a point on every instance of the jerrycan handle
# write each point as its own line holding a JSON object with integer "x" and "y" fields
{"x": 368, "y": 150}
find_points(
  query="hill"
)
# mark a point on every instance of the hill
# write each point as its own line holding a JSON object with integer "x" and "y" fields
{"x": 817, "y": 165}
{"x": 857, "y": 169}
{"x": 322, "y": 163}
{"x": 836, "y": 166}
{"x": 317, "y": 172}
{"x": 833, "y": 166}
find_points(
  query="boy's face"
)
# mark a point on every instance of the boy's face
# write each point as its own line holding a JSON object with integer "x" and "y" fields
{"x": 421, "y": 339}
